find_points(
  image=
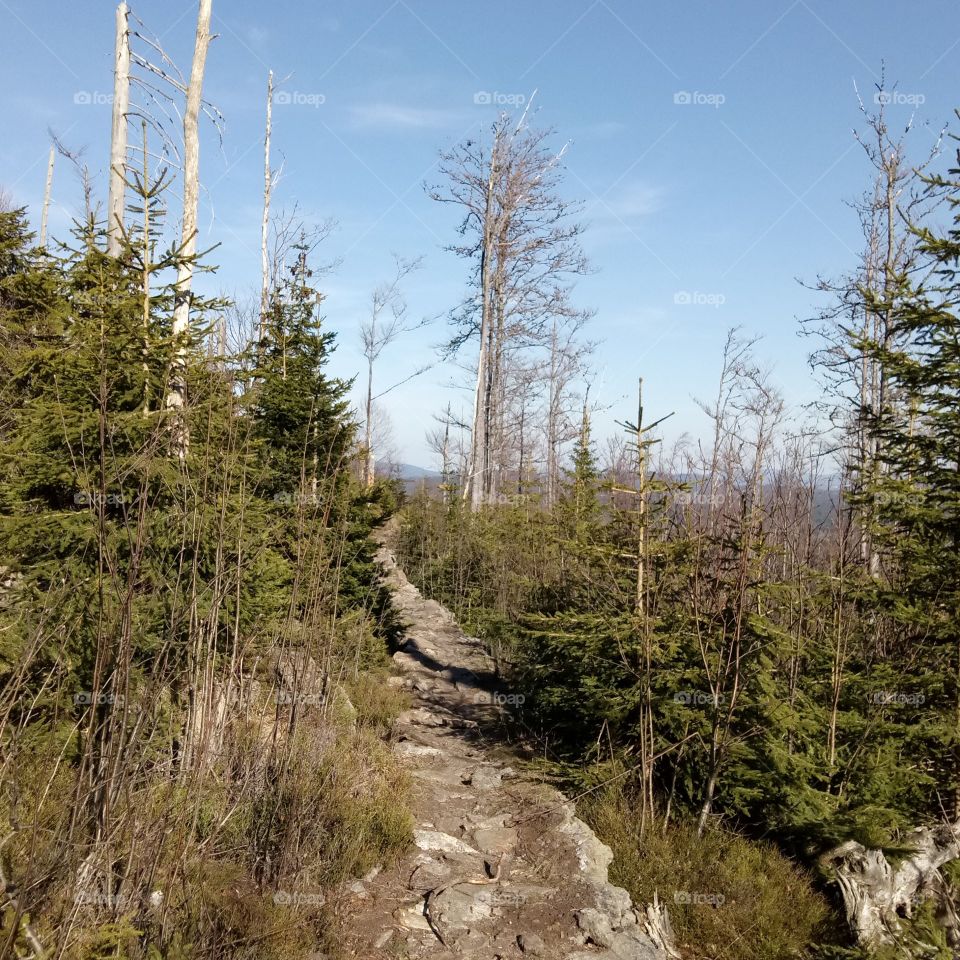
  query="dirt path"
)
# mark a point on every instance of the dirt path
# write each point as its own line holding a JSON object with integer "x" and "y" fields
{"x": 502, "y": 867}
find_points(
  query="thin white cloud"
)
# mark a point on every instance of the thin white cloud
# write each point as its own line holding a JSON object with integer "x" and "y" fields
{"x": 619, "y": 212}
{"x": 634, "y": 200}
{"x": 390, "y": 116}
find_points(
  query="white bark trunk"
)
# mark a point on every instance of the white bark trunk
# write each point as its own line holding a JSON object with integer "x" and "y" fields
{"x": 552, "y": 420}
{"x": 191, "y": 194}
{"x": 369, "y": 463}
{"x": 265, "y": 225}
{"x": 476, "y": 480}
{"x": 46, "y": 198}
{"x": 118, "y": 137}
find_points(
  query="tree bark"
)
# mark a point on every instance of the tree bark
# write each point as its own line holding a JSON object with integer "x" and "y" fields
{"x": 265, "y": 224}
{"x": 46, "y": 197}
{"x": 118, "y": 137}
{"x": 473, "y": 489}
{"x": 176, "y": 394}
{"x": 369, "y": 464}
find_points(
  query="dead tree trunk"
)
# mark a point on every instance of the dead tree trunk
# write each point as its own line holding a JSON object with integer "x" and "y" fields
{"x": 524, "y": 245}
{"x": 265, "y": 224}
{"x": 46, "y": 197}
{"x": 473, "y": 489}
{"x": 369, "y": 458}
{"x": 376, "y": 334}
{"x": 118, "y": 136}
{"x": 553, "y": 420}
{"x": 641, "y": 604}
{"x": 877, "y": 894}
{"x": 176, "y": 394}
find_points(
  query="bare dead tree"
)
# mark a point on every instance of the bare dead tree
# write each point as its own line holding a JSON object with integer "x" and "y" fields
{"x": 386, "y": 322}
{"x": 568, "y": 360}
{"x": 176, "y": 392}
{"x": 382, "y": 440}
{"x": 864, "y": 304}
{"x": 746, "y": 419}
{"x": 268, "y": 184}
{"x": 522, "y": 239}
{"x": 446, "y": 440}
{"x": 75, "y": 157}
{"x": 290, "y": 234}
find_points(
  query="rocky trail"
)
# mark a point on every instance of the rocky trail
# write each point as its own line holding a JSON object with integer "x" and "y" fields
{"x": 502, "y": 867}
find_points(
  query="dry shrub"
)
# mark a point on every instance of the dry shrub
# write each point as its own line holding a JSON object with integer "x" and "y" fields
{"x": 377, "y": 703}
{"x": 237, "y": 863}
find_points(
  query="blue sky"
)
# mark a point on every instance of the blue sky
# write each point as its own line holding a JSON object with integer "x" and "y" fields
{"x": 724, "y": 200}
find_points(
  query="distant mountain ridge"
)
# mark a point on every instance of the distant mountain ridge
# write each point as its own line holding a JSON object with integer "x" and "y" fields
{"x": 410, "y": 471}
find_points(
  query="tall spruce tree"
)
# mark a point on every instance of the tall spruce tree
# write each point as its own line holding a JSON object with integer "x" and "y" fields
{"x": 917, "y": 498}
{"x": 301, "y": 413}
